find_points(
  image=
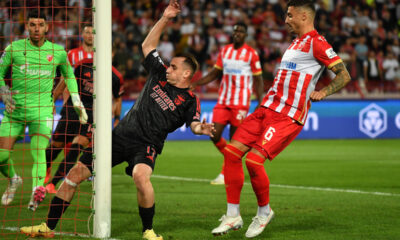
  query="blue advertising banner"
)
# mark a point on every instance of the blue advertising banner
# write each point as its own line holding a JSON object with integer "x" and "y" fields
{"x": 326, "y": 120}
{"x": 339, "y": 119}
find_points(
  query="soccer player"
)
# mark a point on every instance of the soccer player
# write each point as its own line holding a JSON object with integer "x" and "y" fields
{"x": 280, "y": 118}
{"x": 164, "y": 104}
{"x": 34, "y": 61}
{"x": 75, "y": 55}
{"x": 238, "y": 64}
{"x": 70, "y": 130}
{"x": 85, "y": 51}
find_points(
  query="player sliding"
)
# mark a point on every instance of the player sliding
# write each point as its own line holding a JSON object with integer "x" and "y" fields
{"x": 164, "y": 104}
{"x": 266, "y": 132}
{"x": 34, "y": 62}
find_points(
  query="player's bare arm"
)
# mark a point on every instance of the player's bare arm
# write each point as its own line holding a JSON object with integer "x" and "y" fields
{"x": 211, "y": 76}
{"x": 341, "y": 79}
{"x": 59, "y": 89}
{"x": 151, "y": 41}
{"x": 259, "y": 88}
{"x": 203, "y": 128}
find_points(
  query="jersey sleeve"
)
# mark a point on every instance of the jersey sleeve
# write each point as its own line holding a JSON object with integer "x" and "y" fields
{"x": 5, "y": 62}
{"x": 153, "y": 63}
{"x": 255, "y": 64}
{"x": 219, "y": 64}
{"x": 68, "y": 74}
{"x": 324, "y": 53}
{"x": 193, "y": 114}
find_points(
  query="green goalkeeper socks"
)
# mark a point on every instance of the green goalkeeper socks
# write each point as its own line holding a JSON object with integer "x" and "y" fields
{"x": 38, "y": 151}
{"x": 6, "y": 163}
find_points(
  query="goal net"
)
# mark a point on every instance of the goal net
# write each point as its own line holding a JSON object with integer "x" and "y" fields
{"x": 36, "y": 73}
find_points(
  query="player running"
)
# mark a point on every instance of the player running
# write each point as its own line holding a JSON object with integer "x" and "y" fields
{"x": 238, "y": 64}
{"x": 165, "y": 104}
{"x": 33, "y": 63}
{"x": 267, "y": 131}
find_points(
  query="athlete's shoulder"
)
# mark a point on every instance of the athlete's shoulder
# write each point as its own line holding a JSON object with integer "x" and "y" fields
{"x": 250, "y": 49}
{"x": 17, "y": 44}
{"x": 54, "y": 46}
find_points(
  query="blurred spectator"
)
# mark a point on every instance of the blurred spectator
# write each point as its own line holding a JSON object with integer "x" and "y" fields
{"x": 373, "y": 72}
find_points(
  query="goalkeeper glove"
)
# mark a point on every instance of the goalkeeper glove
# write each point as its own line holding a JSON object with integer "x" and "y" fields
{"x": 6, "y": 96}
{"x": 79, "y": 108}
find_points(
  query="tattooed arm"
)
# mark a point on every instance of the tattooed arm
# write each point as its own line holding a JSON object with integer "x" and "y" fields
{"x": 341, "y": 79}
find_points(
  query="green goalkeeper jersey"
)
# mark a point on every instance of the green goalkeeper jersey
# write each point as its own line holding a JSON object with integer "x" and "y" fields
{"x": 33, "y": 72}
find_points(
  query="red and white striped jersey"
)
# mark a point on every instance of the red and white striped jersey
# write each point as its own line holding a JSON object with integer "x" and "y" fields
{"x": 238, "y": 66}
{"x": 301, "y": 66}
{"x": 76, "y": 55}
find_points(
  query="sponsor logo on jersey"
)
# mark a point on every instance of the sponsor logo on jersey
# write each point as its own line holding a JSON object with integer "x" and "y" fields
{"x": 49, "y": 58}
{"x": 330, "y": 53}
{"x": 288, "y": 65}
{"x": 162, "y": 98}
{"x": 25, "y": 69}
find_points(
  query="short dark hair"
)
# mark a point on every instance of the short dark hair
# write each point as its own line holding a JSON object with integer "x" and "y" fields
{"x": 302, "y": 3}
{"x": 36, "y": 13}
{"x": 241, "y": 24}
{"x": 190, "y": 60}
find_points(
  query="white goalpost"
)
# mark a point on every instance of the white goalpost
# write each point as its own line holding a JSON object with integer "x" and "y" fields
{"x": 102, "y": 118}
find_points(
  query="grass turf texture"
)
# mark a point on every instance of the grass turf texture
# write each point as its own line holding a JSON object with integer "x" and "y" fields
{"x": 190, "y": 209}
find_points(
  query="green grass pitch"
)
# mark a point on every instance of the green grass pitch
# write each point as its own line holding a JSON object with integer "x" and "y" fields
{"x": 320, "y": 189}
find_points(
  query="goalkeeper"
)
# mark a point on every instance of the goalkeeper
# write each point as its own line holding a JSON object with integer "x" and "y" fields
{"x": 33, "y": 62}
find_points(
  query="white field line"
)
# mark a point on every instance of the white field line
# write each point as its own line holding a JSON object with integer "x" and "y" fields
{"x": 15, "y": 229}
{"x": 286, "y": 186}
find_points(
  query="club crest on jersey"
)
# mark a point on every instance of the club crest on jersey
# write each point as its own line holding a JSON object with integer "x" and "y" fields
{"x": 49, "y": 58}
{"x": 330, "y": 53}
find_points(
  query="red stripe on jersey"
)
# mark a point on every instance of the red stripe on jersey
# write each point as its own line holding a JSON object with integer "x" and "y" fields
{"x": 230, "y": 53}
{"x": 294, "y": 79}
{"x": 279, "y": 93}
{"x": 307, "y": 45}
{"x": 301, "y": 106}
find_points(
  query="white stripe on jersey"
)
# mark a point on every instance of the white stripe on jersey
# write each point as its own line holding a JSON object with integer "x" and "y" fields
{"x": 285, "y": 91}
{"x": 237, "y": 90}
{"x": 245, "y": 87}
{"x": 222, "y": 93}
{"x": 297, "y": 95}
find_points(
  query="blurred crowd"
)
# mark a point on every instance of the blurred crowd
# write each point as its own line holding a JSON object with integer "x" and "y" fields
{"x": 365, "y": 33}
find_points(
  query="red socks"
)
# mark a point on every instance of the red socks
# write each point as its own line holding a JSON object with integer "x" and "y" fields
{"x": 259, "y": 177}
{"x": 234, "y": 176}
{"x": 221, "y": 144}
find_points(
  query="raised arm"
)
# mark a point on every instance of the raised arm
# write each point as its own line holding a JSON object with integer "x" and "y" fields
{"x": 152, "y": 39}
{"x": 341, "y": 79}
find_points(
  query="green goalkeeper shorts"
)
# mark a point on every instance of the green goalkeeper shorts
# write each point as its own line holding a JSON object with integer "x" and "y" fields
{"x": 12, "y": 126}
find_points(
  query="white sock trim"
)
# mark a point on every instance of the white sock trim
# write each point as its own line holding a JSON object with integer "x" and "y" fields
{"x": 233, "y": 210}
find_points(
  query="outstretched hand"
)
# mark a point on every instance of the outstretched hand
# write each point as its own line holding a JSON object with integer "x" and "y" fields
{"x": 172, "y": 10}
{"x": 207, "y": 128}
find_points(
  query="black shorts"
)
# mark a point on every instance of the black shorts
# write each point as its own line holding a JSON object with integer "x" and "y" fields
{"x": 69, "y": 127}
{"x": 123, "y": 151}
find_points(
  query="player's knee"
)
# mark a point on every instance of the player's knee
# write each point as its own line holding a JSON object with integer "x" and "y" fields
{"x": 4, "y": 156}
{"x": 77, "y": 174}
{"x": 254, "y": 163}
{"x": 141, "y": 179}
{"x": 233, "y": 154}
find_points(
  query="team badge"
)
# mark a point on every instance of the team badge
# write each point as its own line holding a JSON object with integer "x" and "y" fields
{"x": 49, "y": 58}
{"x": 330, "y": 53}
